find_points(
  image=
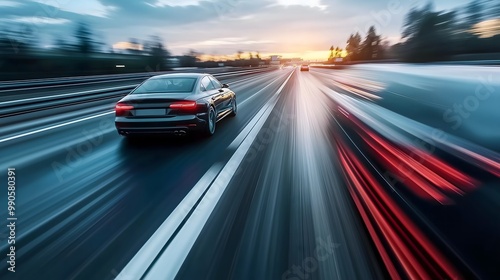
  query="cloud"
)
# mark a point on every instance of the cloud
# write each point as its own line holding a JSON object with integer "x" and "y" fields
{"x": 231, "y": 41}
{"x": 6, "y": 3}
{"x": 214, "y": 26}
{"x": 174, "y": 3}
{"x": 220, "y": 42}
{"x": 37, "y": 20}
{"x": 307, "y": 3}
{"x": 87, "y": 7}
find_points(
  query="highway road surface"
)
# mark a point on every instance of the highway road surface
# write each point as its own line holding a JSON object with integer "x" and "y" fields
{"x": 367, "y": 172}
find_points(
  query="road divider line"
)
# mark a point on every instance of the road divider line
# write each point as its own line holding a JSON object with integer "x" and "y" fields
{"x": 150, "y": 250}
{"x": 54, "y": 126}
{"x": 237, "y": 141}
{"x": 163, "y": 254}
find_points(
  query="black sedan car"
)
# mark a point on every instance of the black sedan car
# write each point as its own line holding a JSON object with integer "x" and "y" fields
{"x": 175, "y": 103}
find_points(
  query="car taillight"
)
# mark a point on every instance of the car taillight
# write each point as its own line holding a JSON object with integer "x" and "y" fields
{"x": 186, "y": 105}
{"x": 121, "y": 109}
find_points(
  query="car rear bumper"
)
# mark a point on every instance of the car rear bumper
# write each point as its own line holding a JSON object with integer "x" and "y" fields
{"x": 170, "y": 125}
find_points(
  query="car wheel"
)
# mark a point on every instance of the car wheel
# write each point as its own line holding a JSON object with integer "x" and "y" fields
{"x": 234, "y": 108}
{"x": 211, "y": 123}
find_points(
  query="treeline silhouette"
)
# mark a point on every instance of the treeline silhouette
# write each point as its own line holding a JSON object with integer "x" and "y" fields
{"x": 21, "y": 57}
{"x": 83, "y": 54}
{"x": 466, "y": 33}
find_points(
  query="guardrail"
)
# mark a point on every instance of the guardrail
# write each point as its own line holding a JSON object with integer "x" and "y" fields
{"x": 64, "y": 80}
{"x": 71, "y": 81}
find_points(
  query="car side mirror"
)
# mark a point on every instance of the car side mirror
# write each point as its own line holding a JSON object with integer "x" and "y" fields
{"x": 225, "y": 86}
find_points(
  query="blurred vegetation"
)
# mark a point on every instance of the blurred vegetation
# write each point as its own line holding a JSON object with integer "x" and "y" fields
{"x": 470, "y": 32}
{"x": 83, "y": 54}
{"x": 360, "y": 49}
{"x": 192, "y": 59}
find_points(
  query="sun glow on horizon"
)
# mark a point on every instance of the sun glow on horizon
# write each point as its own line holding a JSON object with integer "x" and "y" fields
{"x": 128, "y": 46}
{"x": 487, "y": 28}
{"x": 306, "y": 55}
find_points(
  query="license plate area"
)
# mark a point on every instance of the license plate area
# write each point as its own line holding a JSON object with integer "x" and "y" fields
{"x": 150, "y": 112}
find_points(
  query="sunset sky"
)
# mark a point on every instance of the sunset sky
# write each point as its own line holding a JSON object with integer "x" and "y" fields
{"x": 291, "y": 28}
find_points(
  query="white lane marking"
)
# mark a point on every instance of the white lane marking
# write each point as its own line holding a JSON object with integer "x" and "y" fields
{"x": 66, "y": 94}
{"x": 236, "y": 142}
{"x": 180, "y": 246}
{"x": 146, "y": 255}
{"x": 54, "y": 126}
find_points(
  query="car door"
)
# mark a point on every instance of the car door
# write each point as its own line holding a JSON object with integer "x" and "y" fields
{"x": 214, "y": 94}
{"x": 225, "y": 95}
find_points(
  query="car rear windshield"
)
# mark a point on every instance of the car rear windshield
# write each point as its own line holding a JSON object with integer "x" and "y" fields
{"x": 166, "y": 85}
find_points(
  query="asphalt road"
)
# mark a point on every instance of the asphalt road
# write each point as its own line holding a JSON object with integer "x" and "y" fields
{"x": 368, "y": 172}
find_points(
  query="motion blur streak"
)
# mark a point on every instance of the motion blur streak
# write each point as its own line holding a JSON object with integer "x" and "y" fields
{"x": 287, "y": 215}
{"x": 335, "y": 185}
{"x": 416, "y": 255}
{"x": 88, "y": 200}
{"x": 390, "y": 119}
{"x": 363, "y": 88}
{"x": 414, "y": 164}
{"x": 184, "y": 238}
{"x": 416, "y": 173}
{"x": 492, "y": 165}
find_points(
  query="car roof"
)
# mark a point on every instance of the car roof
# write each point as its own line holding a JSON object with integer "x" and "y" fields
{"x": 180, "y": 75}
